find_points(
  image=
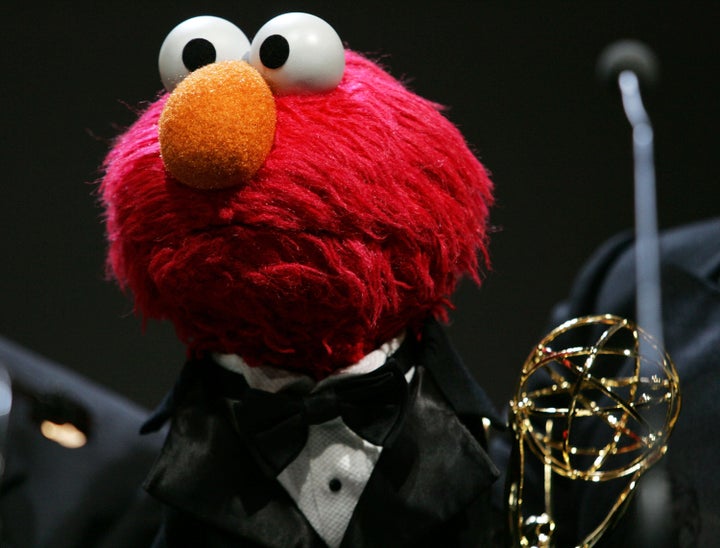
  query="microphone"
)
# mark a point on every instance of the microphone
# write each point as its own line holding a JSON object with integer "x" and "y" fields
{"x": 630, "y": 55}
{"x": 628, "y": 64}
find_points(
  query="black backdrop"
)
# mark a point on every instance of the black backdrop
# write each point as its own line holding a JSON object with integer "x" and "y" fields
{"x": 519, "y": 78}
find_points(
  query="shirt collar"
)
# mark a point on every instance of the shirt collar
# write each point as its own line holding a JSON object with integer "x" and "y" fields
{"x": 271, "y": 379}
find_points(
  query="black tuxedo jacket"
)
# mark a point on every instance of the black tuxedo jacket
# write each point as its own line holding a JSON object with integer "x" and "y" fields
{"x": 429, "y": 488}
{"x": 678, "y": 502}
{"x": 52, "y": 496}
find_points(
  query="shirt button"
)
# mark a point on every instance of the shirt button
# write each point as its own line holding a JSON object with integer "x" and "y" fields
{"x": 335, "y": 485}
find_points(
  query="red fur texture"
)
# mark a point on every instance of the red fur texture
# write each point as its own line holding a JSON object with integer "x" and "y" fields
{"x": 360, "y": 222}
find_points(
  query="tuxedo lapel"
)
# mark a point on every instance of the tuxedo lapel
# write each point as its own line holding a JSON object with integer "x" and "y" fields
{"x": 433, "y": 471}
{"x": 457, "y": 385}
{"x": 207, "y": 473}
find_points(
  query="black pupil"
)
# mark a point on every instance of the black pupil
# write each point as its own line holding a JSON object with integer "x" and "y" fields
{"x": 274, "y": 51}
{"x": 197, "y": 53}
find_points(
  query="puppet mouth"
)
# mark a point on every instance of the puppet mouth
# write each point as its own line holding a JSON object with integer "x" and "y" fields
{"x": 256, "y": 249}
{"x": 226, "y": 230}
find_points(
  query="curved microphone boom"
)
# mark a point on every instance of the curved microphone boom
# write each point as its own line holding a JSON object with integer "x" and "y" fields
{"x": 627, "y": 64}
{"x": 620, "y": 386}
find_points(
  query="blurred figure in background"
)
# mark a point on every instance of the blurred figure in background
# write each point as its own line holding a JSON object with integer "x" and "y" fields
{"x": 73, "y": 460}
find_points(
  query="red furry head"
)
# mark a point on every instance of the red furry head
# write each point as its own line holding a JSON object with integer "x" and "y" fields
{"x": 357, "y": 225}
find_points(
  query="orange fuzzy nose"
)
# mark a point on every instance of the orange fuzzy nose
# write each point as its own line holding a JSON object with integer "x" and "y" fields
{"x": 217, "y": 126}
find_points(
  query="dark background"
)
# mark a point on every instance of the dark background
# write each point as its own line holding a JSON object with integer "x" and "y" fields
{"x": 519, "y": 78}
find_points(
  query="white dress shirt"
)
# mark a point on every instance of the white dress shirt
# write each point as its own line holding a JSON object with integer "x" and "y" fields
{"x": 329, "y": 475}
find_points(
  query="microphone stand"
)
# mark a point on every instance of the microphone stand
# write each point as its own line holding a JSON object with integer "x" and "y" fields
{"x": 647, "y": 250}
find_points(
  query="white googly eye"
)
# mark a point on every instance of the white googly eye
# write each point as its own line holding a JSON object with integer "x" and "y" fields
{"x": 298, "y": 53}
{"x": 198, "y": 42}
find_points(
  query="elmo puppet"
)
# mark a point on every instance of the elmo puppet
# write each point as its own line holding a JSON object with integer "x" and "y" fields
{"x": 302, "y": 219}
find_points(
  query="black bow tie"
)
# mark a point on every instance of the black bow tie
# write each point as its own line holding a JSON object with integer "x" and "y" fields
{"x": 276, "y": 424}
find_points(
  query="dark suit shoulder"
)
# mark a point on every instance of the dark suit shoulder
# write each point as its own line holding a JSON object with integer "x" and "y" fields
{"x": 606, "y": 283}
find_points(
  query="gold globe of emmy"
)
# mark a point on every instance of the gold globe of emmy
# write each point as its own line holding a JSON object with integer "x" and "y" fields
{"x": 621, "y": 387}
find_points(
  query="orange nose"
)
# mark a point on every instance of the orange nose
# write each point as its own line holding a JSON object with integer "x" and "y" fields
{"x": 217, "y": 126}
